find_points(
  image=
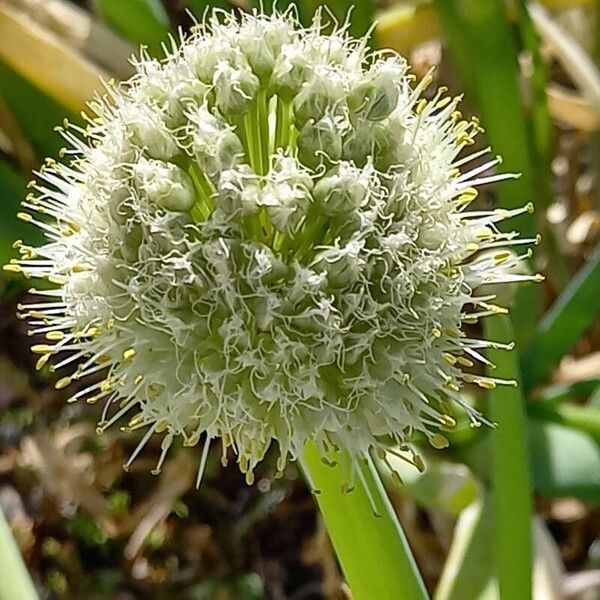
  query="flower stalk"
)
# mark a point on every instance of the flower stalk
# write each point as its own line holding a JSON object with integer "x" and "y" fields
{"x": 368, "y": 539}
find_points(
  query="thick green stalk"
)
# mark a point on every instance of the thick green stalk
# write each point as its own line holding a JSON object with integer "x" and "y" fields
{"x": 369, "y": 541}
{"x": 15, "y": 582}
{"x": 511, "y": 485}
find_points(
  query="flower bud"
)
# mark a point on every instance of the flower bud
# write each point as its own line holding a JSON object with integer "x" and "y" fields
{"x": 166, "y": 184}
{"x": 290, "y": 70}
{"x": 260, "y": 45}
{"x": 149, "y": 131}
{"x": 235, "y": 88}
{"x": 432, "y": 235}
{"x": 216, "y": 147}
{"x": 206, "y": 54}
{"x": 318, "y": 141}
{"x": 286, "y": 194}
{"x": 238, "y": 191}
{"x": 376, "y": 96}
{"x": 319, "y": 96}
{"x": 340, "y": 191}
{"x": 368, "y": 140}
{"x": 343, "y": 266}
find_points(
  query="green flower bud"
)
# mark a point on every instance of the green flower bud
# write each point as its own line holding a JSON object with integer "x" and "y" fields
{"x": 238, "y": 191}
{"x": 216, "y": 147}
{"x": 341, "y": 191}
{"x": 319, "y": 141}
{"x": 343, "y": 266}
{"x": 318, "y": 97}
{"x": 376, "y": 96}
{"x": 290, "y": 71}
{"x": 374, "y": 141}
{"x": 235, "y": 88}
{"x": 148, "y": 130}
{"x": 166, "y": 184}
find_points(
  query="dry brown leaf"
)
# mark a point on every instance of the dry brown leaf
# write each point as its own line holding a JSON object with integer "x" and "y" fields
{"x": 572, "y": 369}
{"x": 572, "y": 109}
{"x": 43, "y": 59}
{"x": 176, "y": 479}
{"x": 66, "y": 472}
{"x": 78, "y": 29}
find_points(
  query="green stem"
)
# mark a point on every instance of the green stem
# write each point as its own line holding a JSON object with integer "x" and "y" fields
{"x": 256, "y": 125}
{"x": 263, "y": 128}
{"x": 283, "y": 123}
{"x": 511, "y": 481}
{"x": 15, "y": 581}
{"x": 372, "y": 548}
{"x": 204, "y": 191}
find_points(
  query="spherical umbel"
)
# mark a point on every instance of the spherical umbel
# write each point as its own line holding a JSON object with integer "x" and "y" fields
{"x": 264, "y": 238}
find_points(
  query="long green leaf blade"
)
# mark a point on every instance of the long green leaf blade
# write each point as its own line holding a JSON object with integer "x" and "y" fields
{"x": 565, "y": 461}
{"x": 12, "y": 191}
{"x": 511, "y": 485}
{"x": 15, "y": 582}
{"x": 372, "y": 549}
{"x": 141, "y": 21}
{"x": 486, "y": 53}
{"x": 566, "y": 321}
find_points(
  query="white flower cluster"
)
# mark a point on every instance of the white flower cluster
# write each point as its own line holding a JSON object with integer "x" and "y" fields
{"x": 265, "y": 237}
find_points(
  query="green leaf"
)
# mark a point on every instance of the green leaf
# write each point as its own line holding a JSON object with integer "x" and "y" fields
{"x": 372, "y": 549}
{"x": 141, "y": 21}
{"x": 511, "y": 485}
{"x": 560, "y": 392}
{"x": 15, "y": 581}
{"x": 541, "y": 140}
{"x": 562, "y": 326}
{"x": 468, "y": 571}
{"x": 446, "y": 486}
{"x": 12, "y": 191}
{"x": 565, "y": 461}
{"x": 584, "y": 418}
{"x": 491, "y": 78}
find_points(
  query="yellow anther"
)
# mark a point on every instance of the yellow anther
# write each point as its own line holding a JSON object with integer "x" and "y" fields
{"x": 448, "y": 421}
{"x": 444, "y": 102}
{"x": 465, "y": 362}
{"x": 106, "y": 385}
{"x": 42, "y": 349}
{"x": 12, "y": 268}
{"x": 501, "y": 257}
{"x": 486, "y": 384}
{"x": 449, "y": 358}
{"x": 468, "y": 195}
{"x": 472, "y": 247}
{"x": 438, "y": 441}
{"x": 129, "y": 354}
{"x": 62, "y": 383}
{"x": 25, "y": 217}
{"x": 41, "y": 361}
{"x": 55, "y": 336}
